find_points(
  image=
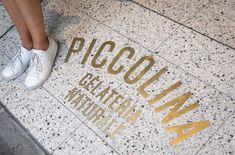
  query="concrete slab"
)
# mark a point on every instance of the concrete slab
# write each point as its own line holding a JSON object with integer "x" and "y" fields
{"x": 224, "y": 140}
{"x": 42, "y": 115}
{"x": 207, "y": 60}
{"x": 68, "y": 117}
{"x": 130, "y": 141}
{"x": 13, "y": 138}
{"x": 179, "y": 10}
{"x": 136, "y": 22}
{"x": 217, "y": 21}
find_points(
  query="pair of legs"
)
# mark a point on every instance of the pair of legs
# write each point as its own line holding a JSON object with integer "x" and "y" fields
{"x": 38, "y": 51}
{"x": 28, "y": 19}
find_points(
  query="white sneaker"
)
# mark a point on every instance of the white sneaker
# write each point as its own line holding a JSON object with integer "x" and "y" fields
{"x": 18, "y": 64}
{"x": 41, "y": 65}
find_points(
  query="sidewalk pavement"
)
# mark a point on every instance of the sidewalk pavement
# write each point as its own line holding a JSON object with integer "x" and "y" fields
{"x": 192, "y": 45}
{"x": 14, "y": 140}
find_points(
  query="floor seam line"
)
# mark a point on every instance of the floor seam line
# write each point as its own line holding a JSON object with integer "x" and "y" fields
{"x": 7, "y": 56}
{"x": 67, "y": 138}
{"x": 25, "y": 129}
{"x": 195, "y": 77}
{"x": 163, "y": 42}
{"x": 216, "y": 131}
{"x": 184, "y": 25}
{"x": 101, "y": 138}
{"x": 61, "y": 103}
{"x": 7, "y": 31}
{"x": 83, "y": 122}
{"x": 160, "y": 56}
{"x": 181, "y": 25}
{"x": 155, "y": 53}
{"x": 70, "y": 136}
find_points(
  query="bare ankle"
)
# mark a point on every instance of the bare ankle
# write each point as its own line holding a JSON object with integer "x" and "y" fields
{"x": 41, "y": 44}
{"x": 28, "y": 46}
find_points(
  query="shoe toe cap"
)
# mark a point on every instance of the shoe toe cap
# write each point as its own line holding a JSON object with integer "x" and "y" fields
{"x": 32, "y": 83}
{"x": 7, "y": 73}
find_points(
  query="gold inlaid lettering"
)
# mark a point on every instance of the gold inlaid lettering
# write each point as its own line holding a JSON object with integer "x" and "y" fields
{"x": 97, "y": 86}
{"x": 92, "y": 110}
{"x": 123, "y": 107}
{"x": 94, "y": 60}
{"x": 91, "y": 83}
{"x": 103, "y": 93}
{"x": 72, "y": 50}
{"x": 191, "y": 129}
{"x": 115, "y": 101}
{"x": 105, "y": 130}
{"x": 133, "y": 118}
{"x": 142, "y": 88}
{"x": 178, "y": 102}
{"x": 142, "y": 73}
{"x": 103, "y": 121}
{"x": 97, "y": 114}
{"x": 129, "y": 50}
{"x": 132, "y": 108}
{"x": 92, "y": 44}
{"x": 164, "y": 93}
{"x": 72, "y": 93}
{"x": 85, "y": 79}
{"x": 87, "y": 108}
{"x": 117, "y": 131}
{"x": 110, "y": 96}
{"x": 83, "y": 103}
{"x": 77, "y": 100}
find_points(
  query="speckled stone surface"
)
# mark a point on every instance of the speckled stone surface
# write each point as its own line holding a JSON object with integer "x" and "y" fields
{"x": 73, "y": 71}
{"x": 10, "y": 43}
{"x": 45, "y": 117}
{"x": 204, "y": 67}
{"x": 13, "y": 139}
{"x": 5, "y": 21}
{"x": 224, "y": 140}
{"x": 135, "y": 22}
{"x": 84, "y": 141}
{"x": 56, "y": 19}
{"x": 130, "y": 140}
{"x": 205, "y": 59}
{"x": 216, "y": 21}
{"x": 180, "y": 10}
{"x": 73, "y": 7}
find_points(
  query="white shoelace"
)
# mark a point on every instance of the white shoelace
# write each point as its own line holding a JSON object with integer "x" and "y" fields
{"x": 16, "y": 58}
{"x": 35, "y": 66}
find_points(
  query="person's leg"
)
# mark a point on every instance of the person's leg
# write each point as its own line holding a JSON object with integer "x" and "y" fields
{"x": 19, "y": 22}
{"x": 44, "y": 48}
{"x": 32, "y": 14}
{"x": 21, "y": 60}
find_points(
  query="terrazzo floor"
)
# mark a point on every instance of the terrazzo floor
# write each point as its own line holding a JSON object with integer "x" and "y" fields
{"x": 139, "y": 77}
